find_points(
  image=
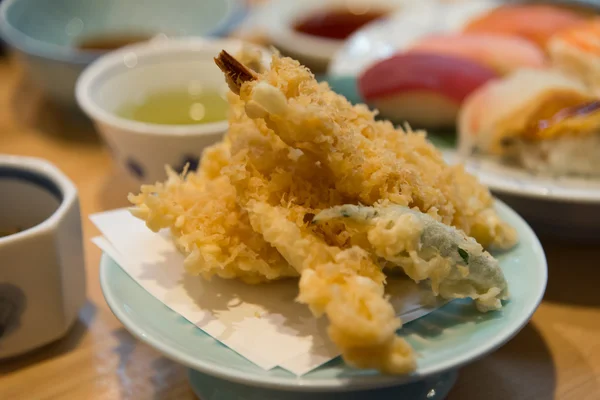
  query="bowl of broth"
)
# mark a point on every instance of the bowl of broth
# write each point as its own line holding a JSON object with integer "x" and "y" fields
{"x": 159, "y": 103}
{"x": 312, "y": 31}
{"x": 55, "y": 40}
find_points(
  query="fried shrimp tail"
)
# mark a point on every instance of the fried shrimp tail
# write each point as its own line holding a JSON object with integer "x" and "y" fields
{"x": 455, "y": 264}
{"x": 235, "y": 72}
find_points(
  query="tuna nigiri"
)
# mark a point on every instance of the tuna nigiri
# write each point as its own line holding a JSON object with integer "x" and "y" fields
{"x": 576, "y": 51}
{"x": 534, "y": 22}
{"x": 499, "y": 52}
{"x": 423, "y": 89}
{"x": 553, "y": 126}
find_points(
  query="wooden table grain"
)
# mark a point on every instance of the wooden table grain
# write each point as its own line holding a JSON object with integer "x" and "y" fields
{"x": 556, "y": 356}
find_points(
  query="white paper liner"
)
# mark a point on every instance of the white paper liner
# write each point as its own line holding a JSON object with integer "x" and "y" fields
{"x": 262, "y": 323}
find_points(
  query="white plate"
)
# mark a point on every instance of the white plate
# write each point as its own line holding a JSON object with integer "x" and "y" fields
{"x": 516, "y": 181}
{"x": 565, "y": 207}
{"x": 381, "y": 39}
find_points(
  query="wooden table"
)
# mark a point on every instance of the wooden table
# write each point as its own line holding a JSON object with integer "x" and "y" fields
{"x": 557, "y": 355}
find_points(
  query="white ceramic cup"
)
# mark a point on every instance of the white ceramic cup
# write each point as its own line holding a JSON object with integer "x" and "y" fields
{"x": 42, "y": 273}
{"x": 142, "y": 150}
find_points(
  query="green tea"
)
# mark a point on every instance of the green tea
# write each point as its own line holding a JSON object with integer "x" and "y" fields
{"x": 184, "y": 107}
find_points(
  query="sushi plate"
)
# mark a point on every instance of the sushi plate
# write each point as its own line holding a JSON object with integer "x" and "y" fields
{"x": 444, "y": 340}
{"x": 383, "y": 38}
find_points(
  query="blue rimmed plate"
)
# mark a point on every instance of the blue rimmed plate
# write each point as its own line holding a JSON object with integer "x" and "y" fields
{"x": 444, "y": 340}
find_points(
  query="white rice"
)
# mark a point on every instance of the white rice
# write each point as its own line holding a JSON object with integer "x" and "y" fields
{"x": 563, "y": 156}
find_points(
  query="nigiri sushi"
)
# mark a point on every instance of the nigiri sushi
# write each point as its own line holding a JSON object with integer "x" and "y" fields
{"x": 534, "y": 22}
{"x": 423, "y": 89}
{"x": 553, "y": 126}
{"x": 576, "y": 51}
{"x": 501, "y": 53}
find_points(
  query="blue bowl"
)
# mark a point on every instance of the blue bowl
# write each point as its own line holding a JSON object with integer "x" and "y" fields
{"x": 44, "y": 34}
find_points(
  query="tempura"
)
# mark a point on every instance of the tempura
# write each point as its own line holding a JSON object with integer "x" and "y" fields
{"x": 256, "y": 209}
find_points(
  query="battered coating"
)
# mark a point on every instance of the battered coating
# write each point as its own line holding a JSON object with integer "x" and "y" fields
{"x": 266, "y": 203}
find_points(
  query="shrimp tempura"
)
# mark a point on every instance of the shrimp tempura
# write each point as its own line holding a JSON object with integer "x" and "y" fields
{"x": 208, "y": 225}
{"x": 370, "y": 160}
{"x": 263, "y": 203}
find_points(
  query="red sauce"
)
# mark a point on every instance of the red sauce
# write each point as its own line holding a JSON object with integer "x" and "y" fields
{"x": 336, "y": 24}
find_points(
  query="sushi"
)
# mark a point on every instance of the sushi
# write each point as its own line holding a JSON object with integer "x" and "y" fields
{"x": 552, "y": 127}
{"x": 423, "y": 89}
{"x": 501, "y": 53}
{"x": 534, "y": 22}
{"x": 576, "y": 51}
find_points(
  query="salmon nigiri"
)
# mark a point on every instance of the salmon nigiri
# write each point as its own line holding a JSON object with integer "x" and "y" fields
{"x": 534, "y": 22}
{"x": 576, "y": 51}
{"x": 553, "y": 126}
{"x": 502, "y": 53}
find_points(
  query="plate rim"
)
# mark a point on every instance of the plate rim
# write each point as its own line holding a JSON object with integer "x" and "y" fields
{"x": 527, "y": 191}
{"x": 336, "y": 384}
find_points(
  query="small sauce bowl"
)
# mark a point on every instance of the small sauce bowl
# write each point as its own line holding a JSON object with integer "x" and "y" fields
{"x": 282, "y": 19}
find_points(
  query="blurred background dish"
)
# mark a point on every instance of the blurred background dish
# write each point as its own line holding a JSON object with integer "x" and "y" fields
{"x": 533, "y": 22}
{"x": 382, "y": 39}
{"x": 478, "y": 34}
{"x": 428, "y": 85}
{"x": 158, "y": 103}
{"x": 313, "y": 30}
{"x": 56, "y": 40}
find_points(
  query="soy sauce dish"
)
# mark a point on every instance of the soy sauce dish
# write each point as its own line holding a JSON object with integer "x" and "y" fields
{"x": 158, "y": 103}
{"x": 312, "y": 31}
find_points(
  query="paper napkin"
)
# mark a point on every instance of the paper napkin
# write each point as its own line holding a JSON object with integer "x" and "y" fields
{"x": 262, "y": 323}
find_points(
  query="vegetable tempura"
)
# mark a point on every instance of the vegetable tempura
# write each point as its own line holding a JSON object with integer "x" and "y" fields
{"x": 263, "y": 206}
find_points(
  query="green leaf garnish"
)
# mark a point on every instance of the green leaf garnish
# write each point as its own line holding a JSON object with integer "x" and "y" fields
{"x": 464, "y": 255}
